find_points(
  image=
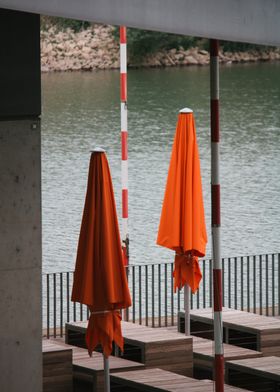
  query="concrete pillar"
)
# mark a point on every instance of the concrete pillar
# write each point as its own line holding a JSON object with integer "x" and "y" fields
{"x": 20, "y": 204}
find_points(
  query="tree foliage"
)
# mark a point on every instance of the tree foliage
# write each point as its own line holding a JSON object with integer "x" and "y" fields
{"x": 63, "y": 23}
{"x": 144, "y": 42}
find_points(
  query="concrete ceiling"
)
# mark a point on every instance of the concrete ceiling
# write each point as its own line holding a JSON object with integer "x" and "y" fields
{"x": 254, "y": 21}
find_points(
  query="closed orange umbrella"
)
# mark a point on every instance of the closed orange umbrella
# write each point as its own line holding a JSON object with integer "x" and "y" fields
{"x": 99, "y": 279}
{"x": 182, "y": 224}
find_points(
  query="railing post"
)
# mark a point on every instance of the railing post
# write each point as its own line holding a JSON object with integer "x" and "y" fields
{"x": 241, "y": 283}
{"x": 248, "y": 284}
{"x": 273, "y": 285}
{"x": 61, "y": 304}
{"x": 266, "y": 287}
{"x": 278, "y": 284}
{"x": 254, "y": 284}
{"x": 48, "y": 306}
{"x": 54, "y": 305}
{"x": 140, "y": 293}
{"x": 133, "y": 294}
{"x": 172, "y": 295}
{"x": 229, "y": 282}
{"x": 159, "y": 295}
{"x": 260, "y": 282}
{"x": 165, "y": 295}
{"x": 146, "y": 295}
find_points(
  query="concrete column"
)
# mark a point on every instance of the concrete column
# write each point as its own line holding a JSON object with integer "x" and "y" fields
{"x": 20, "y": 256}
{"x": 20, "y": 203}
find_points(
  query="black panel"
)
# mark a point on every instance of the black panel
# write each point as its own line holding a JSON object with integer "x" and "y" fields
{"x": 20, "y": 74}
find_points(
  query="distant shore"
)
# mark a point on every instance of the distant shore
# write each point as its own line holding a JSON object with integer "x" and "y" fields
{"x": 96, "y": 48}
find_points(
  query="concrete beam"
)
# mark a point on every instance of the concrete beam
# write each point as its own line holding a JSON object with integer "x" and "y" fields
{"x": 254, "y": 21}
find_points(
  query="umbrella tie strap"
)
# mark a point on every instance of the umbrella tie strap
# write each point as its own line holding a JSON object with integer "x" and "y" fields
{"x": 105, "y": 311}
{"x": 190, "y": 258}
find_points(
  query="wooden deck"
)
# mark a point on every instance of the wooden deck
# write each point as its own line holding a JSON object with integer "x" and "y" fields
{"x": 154, "y": 347}
{"x": 88, "y": 372}
{"x": 203, "y": 356}
{"x": 57, "y": 368}
{"x": 256, "y": 374}
{"x": 241, "y": 328}
{"x": 154, "y": 380}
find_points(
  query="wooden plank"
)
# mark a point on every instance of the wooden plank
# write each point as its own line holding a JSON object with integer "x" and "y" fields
{"x": 268, "y": 367}
{"x": 203, "y": 354}
{"x": 155, "y": 347}
{"x": 205, "y": 348}
{"x": 258, "y": 374}
{"x": 233, "y": 317}
{"x": 90, "y": 370}
{"x": 81, "y": 358}
{"x": 240, "y": 327}
{"x": 161, "y": 380}
{"x": 57, "y": 368}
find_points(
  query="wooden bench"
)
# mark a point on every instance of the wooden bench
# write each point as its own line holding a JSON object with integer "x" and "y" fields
{"x": 203, "y": 356}
{"x": 241, "y": 328}
{"x": 155, "y": 380}
{"x": 154, "y": 347}
{"x": 57, "y": 368}
{"x": 88, "y": 372}
{"x": 256, "y": 374}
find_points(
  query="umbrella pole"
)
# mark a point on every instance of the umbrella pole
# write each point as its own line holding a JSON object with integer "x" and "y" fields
{"x": 187, "y": 309}
{"x": 106, "y": 374}
{"x": 124, "y": 140}
{"x": 216, "y": 215}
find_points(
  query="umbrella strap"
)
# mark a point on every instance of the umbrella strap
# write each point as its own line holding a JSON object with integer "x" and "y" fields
{"x": 105, "y": 311}
{"x": 189, "y": 256}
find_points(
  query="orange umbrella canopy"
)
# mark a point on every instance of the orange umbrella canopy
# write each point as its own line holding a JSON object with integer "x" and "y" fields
{"x": 99, "y": 278}
{"x": 182, "y": 224}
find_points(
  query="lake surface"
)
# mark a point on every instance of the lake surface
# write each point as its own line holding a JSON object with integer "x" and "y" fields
{"x": 82, "y": 110}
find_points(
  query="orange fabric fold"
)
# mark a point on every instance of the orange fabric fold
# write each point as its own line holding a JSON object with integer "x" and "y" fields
{"x": 182, "y": 224}
{"x": 99, "y": 279}
{"x": 186, "y": 271}
{"x": 103, "y": 329}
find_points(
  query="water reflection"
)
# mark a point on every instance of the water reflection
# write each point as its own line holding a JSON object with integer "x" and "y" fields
{"x": 81, "y": 110}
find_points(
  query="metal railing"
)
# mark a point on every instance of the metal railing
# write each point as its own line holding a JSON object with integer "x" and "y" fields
{"x": 251, "y": 283}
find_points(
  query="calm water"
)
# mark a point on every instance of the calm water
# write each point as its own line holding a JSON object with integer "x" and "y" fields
{"x": 81, "y": 110}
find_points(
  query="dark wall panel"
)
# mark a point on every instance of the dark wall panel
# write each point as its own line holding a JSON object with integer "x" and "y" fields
{"x": 20, "y": 74}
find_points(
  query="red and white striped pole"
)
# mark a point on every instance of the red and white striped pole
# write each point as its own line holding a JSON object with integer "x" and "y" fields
{"x": 123, "y": 91}
{"x": 216, "y": 215}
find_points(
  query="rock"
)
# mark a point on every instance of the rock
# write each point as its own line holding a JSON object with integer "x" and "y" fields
{"x": 45, "y": 68}
{"x": 179, "y": 56}
{"x": 264, "y": 57}
{"x": 48, "y": 48}
{"x": 190, "y": 60}
{"x": 203, "y": 52}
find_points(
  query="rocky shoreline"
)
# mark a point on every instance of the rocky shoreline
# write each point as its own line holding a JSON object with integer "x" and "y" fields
{"x": 96, "y": 48}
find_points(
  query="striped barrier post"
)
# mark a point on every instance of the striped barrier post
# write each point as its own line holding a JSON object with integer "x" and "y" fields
{"x": 124, "y": 140}
{"x": 216, "y": 215}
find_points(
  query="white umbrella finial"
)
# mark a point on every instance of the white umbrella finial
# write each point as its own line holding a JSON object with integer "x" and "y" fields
{"x": 186, "y": 110}
{"x": 98, "y": 149}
